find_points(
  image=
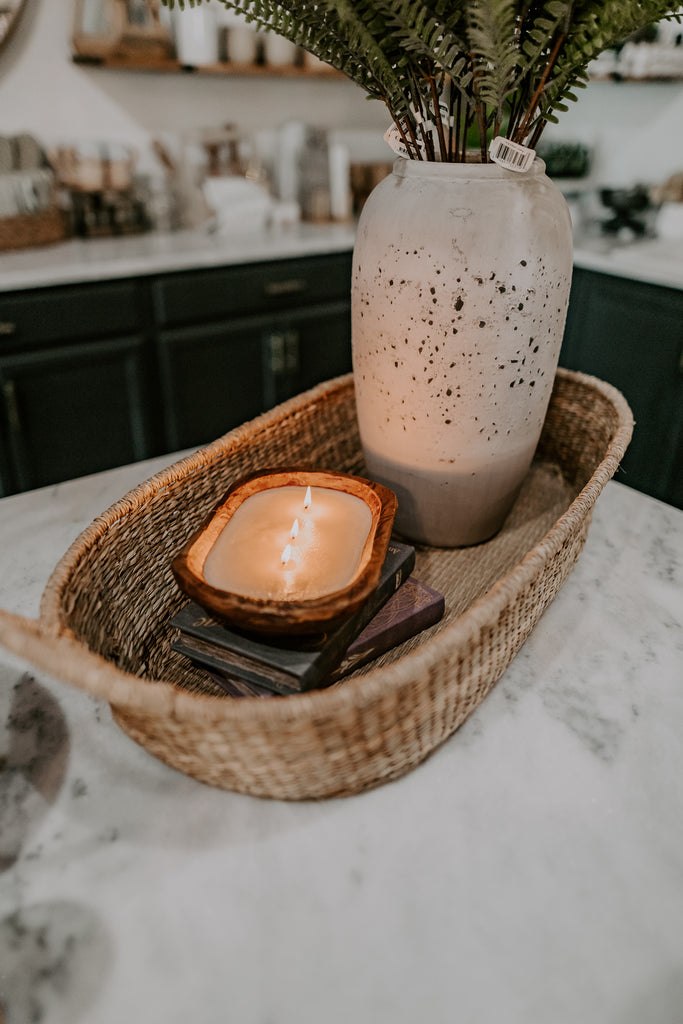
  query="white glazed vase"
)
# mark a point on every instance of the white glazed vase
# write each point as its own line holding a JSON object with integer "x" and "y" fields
{"x": 461, "y": 278}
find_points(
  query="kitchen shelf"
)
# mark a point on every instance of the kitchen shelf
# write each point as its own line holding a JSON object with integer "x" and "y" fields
{"x": 258, "y": 70}
{"x": 170, "y": 65}
{"x": 638, "y": 79}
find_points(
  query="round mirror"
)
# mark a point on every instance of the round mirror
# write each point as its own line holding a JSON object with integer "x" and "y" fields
{"x": 9, "y": 16}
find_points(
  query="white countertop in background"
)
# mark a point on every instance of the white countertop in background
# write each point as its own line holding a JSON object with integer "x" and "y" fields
{"x": 529, "y": 872}
{"x": 653, "y": 260}
{"x": 78, "y": 260}
{"x": 97, "y": 259}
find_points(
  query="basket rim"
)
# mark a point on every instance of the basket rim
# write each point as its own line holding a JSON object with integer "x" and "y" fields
{"x": 123, "y": 690}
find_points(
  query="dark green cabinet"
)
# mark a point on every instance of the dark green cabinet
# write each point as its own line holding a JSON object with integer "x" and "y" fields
{"x": 101, "y": 374}
{"x": 676, "y": 496}
{"x": 234, "y": 341}
{"x": 215, "y": 376}
{"x": 73, "y": 410}
{"x": 630, "y": 334}
{"x": 4, "y": 475}
{"x": 74, "y": 381}
{"x": 69, "y": 313}
{"x": 276, "y": 286}
{"x": 211, "y": 380}
{"x": 302, "y": 349}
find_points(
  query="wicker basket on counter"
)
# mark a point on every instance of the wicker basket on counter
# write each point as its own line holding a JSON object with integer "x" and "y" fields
{"x": 104, "y": 620}
{"x": 25, "y": 231}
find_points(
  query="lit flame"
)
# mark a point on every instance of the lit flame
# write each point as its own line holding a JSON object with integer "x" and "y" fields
{"x": 286, "y": 554}
{"x": 295, "y": 530}
{"x": 308, "y": 498}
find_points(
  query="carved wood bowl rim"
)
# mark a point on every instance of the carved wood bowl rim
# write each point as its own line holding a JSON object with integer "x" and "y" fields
{"x": 312, "y": 615}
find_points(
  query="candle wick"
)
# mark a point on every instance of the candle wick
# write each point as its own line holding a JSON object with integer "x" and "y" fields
{"x": 286, "y": 554}
{"x": 308, "y": 499}
{"x": 295, "y": 530}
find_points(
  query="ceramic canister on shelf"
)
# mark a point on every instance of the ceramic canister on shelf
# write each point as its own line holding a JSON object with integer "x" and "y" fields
{"x": 195, "y": 31}
{"x": 242, "y": 43}
{"x": 278, "y": 51}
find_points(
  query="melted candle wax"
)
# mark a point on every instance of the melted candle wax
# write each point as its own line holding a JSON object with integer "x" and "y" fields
{"x": 279, "y": 545}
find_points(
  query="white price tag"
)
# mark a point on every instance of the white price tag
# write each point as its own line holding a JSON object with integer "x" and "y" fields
{"x": 393, "y": 137}
{"x": 511, "y": 155}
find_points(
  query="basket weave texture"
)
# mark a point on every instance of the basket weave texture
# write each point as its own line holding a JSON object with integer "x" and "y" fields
{"x": 25, "y": 231}
{"x": 104, "y": 615}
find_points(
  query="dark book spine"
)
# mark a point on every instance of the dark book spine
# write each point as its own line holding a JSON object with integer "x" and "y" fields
{"x": 408, "y": 612}
{"x": 332, "y": 653}
{"x": 238, "y": 687}
{"x": 266, "y": 664}
{"x": 207, "y": 656}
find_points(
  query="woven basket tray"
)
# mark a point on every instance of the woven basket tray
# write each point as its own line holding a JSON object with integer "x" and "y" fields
{"x": 104, "y": 614}
{"x": 32, "y": 229}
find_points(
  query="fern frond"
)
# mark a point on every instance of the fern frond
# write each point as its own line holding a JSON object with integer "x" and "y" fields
{"x": 494, "y": 45}
{"x": 509, "y": 63}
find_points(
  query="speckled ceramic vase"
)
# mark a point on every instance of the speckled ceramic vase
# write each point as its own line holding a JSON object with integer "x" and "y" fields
{"x": 460, "y": 288}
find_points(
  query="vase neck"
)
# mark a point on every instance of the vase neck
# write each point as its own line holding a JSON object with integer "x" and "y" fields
{"x": 475, "y": 170}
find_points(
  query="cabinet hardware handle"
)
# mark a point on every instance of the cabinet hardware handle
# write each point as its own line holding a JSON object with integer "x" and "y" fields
{"x": 293, "y": 286}
{"x": 7, "y": 329}
{"x": 680, "y": 360}
{"x": 292, "y": 351}
{"x": 276, "y": 354}
{"x": 283, "y": 352}
{"x": 9, "y": 389}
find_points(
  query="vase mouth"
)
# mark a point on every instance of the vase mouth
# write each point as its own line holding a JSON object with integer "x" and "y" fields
{"x": 474, "y": 169}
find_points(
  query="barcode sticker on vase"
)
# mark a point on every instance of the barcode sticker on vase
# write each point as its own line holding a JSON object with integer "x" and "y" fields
{"x": 511, "y": 154}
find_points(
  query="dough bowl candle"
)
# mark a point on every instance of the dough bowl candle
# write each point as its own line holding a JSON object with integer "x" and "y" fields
{"x": 258, "y": 554}
{"x": 292, "y": 551}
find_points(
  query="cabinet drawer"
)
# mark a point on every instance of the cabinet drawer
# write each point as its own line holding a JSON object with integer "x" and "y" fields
{"x": 204, "y": 295}
{"x": 89, "y": 311}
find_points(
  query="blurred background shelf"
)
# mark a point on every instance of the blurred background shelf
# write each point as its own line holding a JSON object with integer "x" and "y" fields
{"x": 640, "y": 79}
{"x": 167, "y": 64}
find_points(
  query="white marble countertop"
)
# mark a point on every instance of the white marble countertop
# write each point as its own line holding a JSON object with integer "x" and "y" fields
{"x": 529, "y": 872}
{"x": 97, "y": 259}
{"x": 658, "y": 261}
{"x": 652, "y": 260}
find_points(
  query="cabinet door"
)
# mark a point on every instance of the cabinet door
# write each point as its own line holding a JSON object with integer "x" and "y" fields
{"x": 631, "y": 335}
{"x": 575, "y": 328}
{"x": 305, "y": 348}
{"x": 73, "y": 410}
{"x": 5, "y": 488}
{"x": 676, "y": 495}
{"x": 211, "y": 380}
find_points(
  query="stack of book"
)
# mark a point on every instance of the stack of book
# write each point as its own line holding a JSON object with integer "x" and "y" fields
{"x": 248, "y": 665}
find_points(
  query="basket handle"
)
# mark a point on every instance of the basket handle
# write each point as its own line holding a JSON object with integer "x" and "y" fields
{"x": 65, "y": 658}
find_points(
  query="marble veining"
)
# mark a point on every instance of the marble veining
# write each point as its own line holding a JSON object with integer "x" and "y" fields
{"x": 54, "y": 958}
{"x": 34, "y": 759}
{"x": 529, "y": 872}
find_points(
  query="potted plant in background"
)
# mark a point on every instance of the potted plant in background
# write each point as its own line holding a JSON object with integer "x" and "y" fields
{"x": 463, "y": 258}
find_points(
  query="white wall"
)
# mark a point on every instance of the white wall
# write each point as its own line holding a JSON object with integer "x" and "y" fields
{"x": 637, "y": 129}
